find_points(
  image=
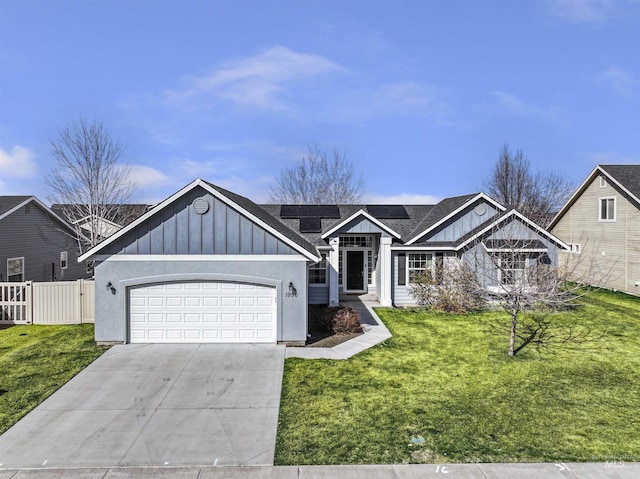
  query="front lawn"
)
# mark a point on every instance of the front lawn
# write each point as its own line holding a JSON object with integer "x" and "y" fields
{"x": 35, "y": 361}
{"x": 444, "y": 390}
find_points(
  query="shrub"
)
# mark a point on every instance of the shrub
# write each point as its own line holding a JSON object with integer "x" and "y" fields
{"x": 342, "y": 320}
{"x": 456, "y": 290}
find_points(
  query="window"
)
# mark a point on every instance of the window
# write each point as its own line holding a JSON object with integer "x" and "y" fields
{"x": 355, "y": 242}
{"x": 419, "y": 263}
{"x": 318, "y": 271}
{"x": 15, "y": 269}
{"x": 402, "y": 269}
{"x": 603, "y": 182}
{"x": 607, "y": 209}
{"x": 90, "y": 266}
{"x": 63, "y": 260}
{"x": 512, "y": 268}
{"x": 575, "y": 247}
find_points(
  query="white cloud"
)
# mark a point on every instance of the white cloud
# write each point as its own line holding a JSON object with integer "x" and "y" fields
{"x": 146, "y": 176}
{"x": 260, "y": 81}
{"x": 581, "y": 11}
{"x": 621, "y": 82}
{"x": 19, "y": 162}
{"x": 510, "y": 104}
{"x": 400, "y": 199}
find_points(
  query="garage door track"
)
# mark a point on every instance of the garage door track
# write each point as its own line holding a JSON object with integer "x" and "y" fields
{"x": 157, "y": 405}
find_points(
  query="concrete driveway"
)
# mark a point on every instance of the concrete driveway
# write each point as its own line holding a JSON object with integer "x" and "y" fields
{"x": 157, "y": 405}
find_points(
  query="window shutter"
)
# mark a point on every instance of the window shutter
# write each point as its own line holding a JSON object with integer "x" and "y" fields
{"x": 402, "y": 269}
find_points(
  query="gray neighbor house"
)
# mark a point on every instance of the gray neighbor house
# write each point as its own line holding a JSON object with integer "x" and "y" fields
{"x": 208, "y": 265}
{"x": 36, "y": 244}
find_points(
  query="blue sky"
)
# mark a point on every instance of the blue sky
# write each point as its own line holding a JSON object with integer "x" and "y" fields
{"x": 420, "y": 95}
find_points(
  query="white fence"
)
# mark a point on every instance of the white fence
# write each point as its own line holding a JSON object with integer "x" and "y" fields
{"x": 62, "y": 302}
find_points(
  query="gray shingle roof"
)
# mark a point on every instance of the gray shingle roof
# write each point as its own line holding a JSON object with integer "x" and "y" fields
{"x": 7, "y": 203}
{"x": 441, "y": 211}
{"x": 627, "y": 175}
{"x": 268, "y": 218}
{"x": 420, "y": 218}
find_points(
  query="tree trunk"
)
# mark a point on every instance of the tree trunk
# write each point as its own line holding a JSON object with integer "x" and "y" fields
{"x": 512, "y": 338}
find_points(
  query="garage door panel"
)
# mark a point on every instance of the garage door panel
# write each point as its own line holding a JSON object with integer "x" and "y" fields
{"x": 203, "y": 312}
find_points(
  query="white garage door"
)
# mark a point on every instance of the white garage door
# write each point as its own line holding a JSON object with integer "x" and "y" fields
{"x": 207, "y": 312}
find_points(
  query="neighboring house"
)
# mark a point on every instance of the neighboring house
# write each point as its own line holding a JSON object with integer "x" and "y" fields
{"x": 602, "y": 220}
{"x": 208, "y": 265}
{"x": 119, "y": 216}
{"x": 35, "y": 243}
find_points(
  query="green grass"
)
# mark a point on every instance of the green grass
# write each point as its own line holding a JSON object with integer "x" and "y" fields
{"x": 448, "y": 380}
{"x": 35, "y": 361}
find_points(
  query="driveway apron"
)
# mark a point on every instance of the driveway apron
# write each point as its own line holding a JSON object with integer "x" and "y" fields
{"x": 157, "y": 405}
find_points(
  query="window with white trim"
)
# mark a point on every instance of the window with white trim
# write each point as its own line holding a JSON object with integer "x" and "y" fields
{"x": 63, "y": 259}
{"x": 356, "y": 241}
{"x": 607, "y": 209}
{"x": 574, "y": 248}
{"x": 318, "y": 271}
{"x": 15, "y": 270}
{"x": 512, "y": 267}
{"x": 419, "y": 263}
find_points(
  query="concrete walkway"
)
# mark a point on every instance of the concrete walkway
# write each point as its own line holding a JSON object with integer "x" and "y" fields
{"x": 157, "y": 405}
{"x": 374, "y": 332}
{"x": 610, "y": 470}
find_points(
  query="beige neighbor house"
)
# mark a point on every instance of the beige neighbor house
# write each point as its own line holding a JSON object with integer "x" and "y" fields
{"x": 602, "y": 221}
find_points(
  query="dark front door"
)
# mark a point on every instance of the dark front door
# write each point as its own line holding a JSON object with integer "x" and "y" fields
{"x": 355, "y": 271}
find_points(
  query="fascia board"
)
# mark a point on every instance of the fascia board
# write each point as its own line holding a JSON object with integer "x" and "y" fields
{"x": 175, "y": 196}
{"x": 17, "y": 207}
{"x": 530, "y": 223}
{"x": 44, "y": 207}
{"x": 583, "y": 186}
{"x": 423, "y": 248}
{"x": 361, "y": 212}
{"x": 613, "y": 180}
{"x": 257, "y": 220}
{"x": 451, "y": 215}
{"x": 575, "y": 196}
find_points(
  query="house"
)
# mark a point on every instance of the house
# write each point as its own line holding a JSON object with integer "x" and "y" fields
{"x": 106, "y": 221}
{"x": 602, "y": 220}
{"x": 208, "y": 265}
{"x": 35, "y": 243}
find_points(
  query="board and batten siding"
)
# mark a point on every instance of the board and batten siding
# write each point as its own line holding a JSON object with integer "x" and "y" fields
{"x": 461, "y": 224}
{"x": 615, "y": 244}
{"x": 361, "y": 225}
{"x": 32, "y": 233}
{"x": 179, "y": 230}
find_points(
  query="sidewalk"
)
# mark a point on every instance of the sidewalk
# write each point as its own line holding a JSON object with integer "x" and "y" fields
{"x": 608, "y": 470}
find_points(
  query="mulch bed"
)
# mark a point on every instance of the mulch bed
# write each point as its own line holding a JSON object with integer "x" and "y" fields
{"x": 319, "y": 337}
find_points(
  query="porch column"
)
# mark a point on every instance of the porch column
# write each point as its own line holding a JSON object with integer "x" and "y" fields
{"x": 334, "y": 297}
{"x": 384, "y": 289}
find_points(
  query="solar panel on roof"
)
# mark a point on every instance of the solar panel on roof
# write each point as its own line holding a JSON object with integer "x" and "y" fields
{"x": 310, "y": 225}
{"x": 290, "y": 211}
{"x": 388, "y": 212}
{"x": 309, "y": 211}
{"x": 319, "y": 211}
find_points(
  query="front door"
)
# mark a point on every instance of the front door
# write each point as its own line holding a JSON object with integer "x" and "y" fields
{"x": 355, "y": 271}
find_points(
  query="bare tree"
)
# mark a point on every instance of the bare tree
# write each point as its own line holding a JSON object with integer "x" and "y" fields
{"x": 318, "y": 179}
{"x": 536, "y": 195}
{"x": 88, "y": 184}
{"x": 509, "y": 268}
{"x": 529, "y": 285}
